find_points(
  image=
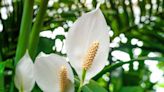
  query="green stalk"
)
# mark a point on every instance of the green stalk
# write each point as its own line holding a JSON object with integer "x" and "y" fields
{"x": 24, "y": 29}
{"x": 82, "y": 80}
{"x": 34, "y": 36}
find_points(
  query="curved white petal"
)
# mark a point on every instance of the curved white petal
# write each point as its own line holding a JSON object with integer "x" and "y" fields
{"x": 47, "y": 68}
{"x": 24, "y": 74}
{"x": 88, "y": 28}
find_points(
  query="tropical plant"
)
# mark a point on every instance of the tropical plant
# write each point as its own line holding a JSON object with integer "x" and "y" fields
{"x": 136, "y": 32}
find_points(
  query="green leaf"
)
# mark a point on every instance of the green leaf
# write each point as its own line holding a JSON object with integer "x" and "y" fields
{"x": 132, "y": 89}
{"x": 93, "y": 87}
{"x": 36, "y": 89}
{"x": 45, "y": 45}
{"x": 9, "y": 64}
{"x": 2, "y": 67}
{"x": 116, "y": 65}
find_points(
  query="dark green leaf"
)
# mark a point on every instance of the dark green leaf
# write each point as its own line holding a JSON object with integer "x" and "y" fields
{"x": 45, "y": 45}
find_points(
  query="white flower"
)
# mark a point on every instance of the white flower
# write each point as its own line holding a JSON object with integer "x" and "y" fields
{"x": 87, "y": 43}
{"x": 24, "y": 74}
{"x": 53, "y": 74}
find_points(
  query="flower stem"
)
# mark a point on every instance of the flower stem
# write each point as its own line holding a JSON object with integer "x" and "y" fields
{"x": 82, "y": 80}
{"x": 34, "y": 36}
{"x": 79, "y": 89}
{"x": 24, "y": 29}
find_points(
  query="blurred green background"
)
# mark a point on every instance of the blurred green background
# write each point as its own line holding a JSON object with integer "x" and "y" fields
{"x": 136, "y": 29}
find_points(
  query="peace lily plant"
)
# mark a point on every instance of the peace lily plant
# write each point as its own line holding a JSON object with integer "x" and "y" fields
{"x": 87, "y": 46}
{"x": 51, "y": 72}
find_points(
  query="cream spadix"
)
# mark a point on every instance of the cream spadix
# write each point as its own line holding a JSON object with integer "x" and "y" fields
{"x": 24, "y": 74}
{"x": 53, "y": 74}
{"x": 90, "y": 55}
{"x": 63, "y": 78}
{"x": 87, "y": 29}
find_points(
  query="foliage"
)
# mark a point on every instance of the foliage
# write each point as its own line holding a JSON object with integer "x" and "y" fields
{"x": 128, "y": 20}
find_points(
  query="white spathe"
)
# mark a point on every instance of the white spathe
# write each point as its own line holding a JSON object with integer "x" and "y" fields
{"x": 24, "y": 74}
{"x": 47, "y": 70}
{"x": 88, "y": 28}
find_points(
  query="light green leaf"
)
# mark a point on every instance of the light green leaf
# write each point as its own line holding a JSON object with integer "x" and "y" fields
{"x": 93, "y": 87}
